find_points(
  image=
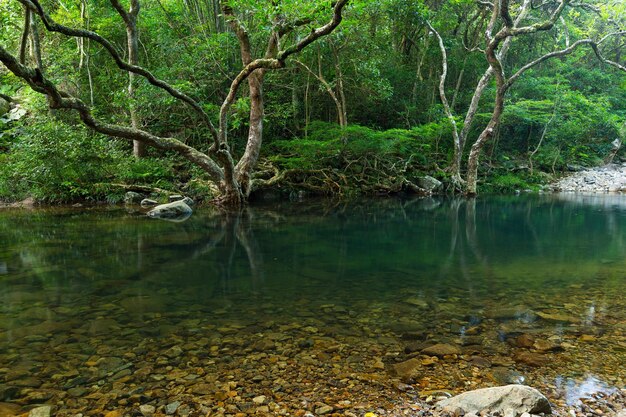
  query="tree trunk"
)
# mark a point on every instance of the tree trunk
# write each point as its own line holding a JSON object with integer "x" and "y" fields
{"x": 459, "y": 81}
{"x": 25, "y": 33}
{"x": 341, "y": 108}
{"x": 139, "y": 149}
{"x": 132, "y": 41}
{"x": 456, "y": 163}
{"x": 484, "y": 82}
{"x": 504, "y": 36}
{"x": 338, "y": 100}
{"x": 35, "y": 44}
{"x": 248, "y": 161}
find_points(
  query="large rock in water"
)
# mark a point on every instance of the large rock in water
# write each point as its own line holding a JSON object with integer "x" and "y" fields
{"x": 132, "y": 197}
{"x": 176, "y": 211}
{"x": 429, "y": 183}
{"x": 509, "y": 400}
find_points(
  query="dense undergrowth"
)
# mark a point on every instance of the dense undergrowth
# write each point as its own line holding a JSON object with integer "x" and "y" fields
{"x": 55, "y": 162}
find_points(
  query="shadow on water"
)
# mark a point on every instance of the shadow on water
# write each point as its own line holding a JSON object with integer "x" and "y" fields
{"x": 487, "y": 274}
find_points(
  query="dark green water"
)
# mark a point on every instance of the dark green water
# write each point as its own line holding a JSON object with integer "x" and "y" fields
{"x": 76, "y": 283}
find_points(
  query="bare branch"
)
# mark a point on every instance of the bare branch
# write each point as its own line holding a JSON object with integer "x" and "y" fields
{"x": 567, "y": 51}
{"x": 316, "y": 33}
{"x": 129, "y": 15}
{"x": 240, "y": 30}
{"x": 505, "y": 13}
{"x": 271, "y": 63}
{"x": 121, "y": 11}
{"x": 546, "y": 57}
{"x": 542, "y": 26}
{"x": 60, "y": 100}
{"x": 587, "y": 6}
{"x": 601, "y": 57}
{"x": 52, "y": 26}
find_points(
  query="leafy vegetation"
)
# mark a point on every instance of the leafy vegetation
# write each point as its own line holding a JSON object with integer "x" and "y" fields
{"x": 356, "y": 111}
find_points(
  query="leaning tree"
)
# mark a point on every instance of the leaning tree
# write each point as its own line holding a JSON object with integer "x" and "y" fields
{"x": 501, "y": 30}
{"x": 289, "y": 34}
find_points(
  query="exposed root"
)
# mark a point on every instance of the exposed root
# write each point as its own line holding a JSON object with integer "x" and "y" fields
{"x": 367, "y": 175}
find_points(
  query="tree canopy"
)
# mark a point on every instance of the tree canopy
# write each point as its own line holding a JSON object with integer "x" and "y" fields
{"x": 352, "y": 96}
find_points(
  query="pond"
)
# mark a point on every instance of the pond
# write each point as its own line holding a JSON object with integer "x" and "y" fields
{"x": 311, "y": 307}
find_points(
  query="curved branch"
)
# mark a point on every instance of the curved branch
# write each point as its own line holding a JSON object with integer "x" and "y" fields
{"x": 567, "y": 51}
{"x": 60, "y": 100}
{"x": 601, "y": 57}
{"x": 52, "y": 26}
{"x": 541, "y": 26}
{"x": 315, "y": 33}
{"x": 546, "y": 57}
{"x": 272, "y": 63}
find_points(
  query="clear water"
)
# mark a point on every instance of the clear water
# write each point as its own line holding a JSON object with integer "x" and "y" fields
{"x": 80, "y": 285}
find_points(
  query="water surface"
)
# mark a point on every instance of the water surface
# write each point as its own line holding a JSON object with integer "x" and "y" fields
{"x": 97, "y": 303}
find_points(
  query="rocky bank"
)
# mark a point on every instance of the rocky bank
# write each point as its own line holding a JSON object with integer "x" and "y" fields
{"x": 606, "y": 179}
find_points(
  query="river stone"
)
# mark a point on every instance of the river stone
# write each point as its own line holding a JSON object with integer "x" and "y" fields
{"x": 525, "y": 340}
{"x": 324, "y": 409}
{"x": 176, "y": 211}
{"x": 503, "y": 375}
{"x": 531, "y": 359}
{"x": 9, "y": 409}
{"x": 146, "y": 202}
{"x": 102, "y": 326}
{"x": 429, "y": 183}
{"x": 508, "y": 400}
{"x": 172, "y": 407}
{"x": 558, "y": 317}
{"x": 407, "y": 370}
{"x": 43, "y": 411}
{"x": 441, "y": 349}
{"x": 147, "y": 410}
{"x": 547, "y": 346}
{"x": 132, "y": 197}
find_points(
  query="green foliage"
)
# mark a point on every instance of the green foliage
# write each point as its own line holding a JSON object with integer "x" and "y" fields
{"x": 57, "y": 163}
{"x": 330, "y": 145}
{"x": 506, "y": 183}
{"x": 575, "y": 104}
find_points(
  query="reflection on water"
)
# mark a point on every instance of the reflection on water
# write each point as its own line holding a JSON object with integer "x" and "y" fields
{"x": 521, "y": 289}
{"x": 585, "y": 388}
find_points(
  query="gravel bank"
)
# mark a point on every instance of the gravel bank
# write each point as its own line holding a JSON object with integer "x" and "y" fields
{"x": 606, "y": 179}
